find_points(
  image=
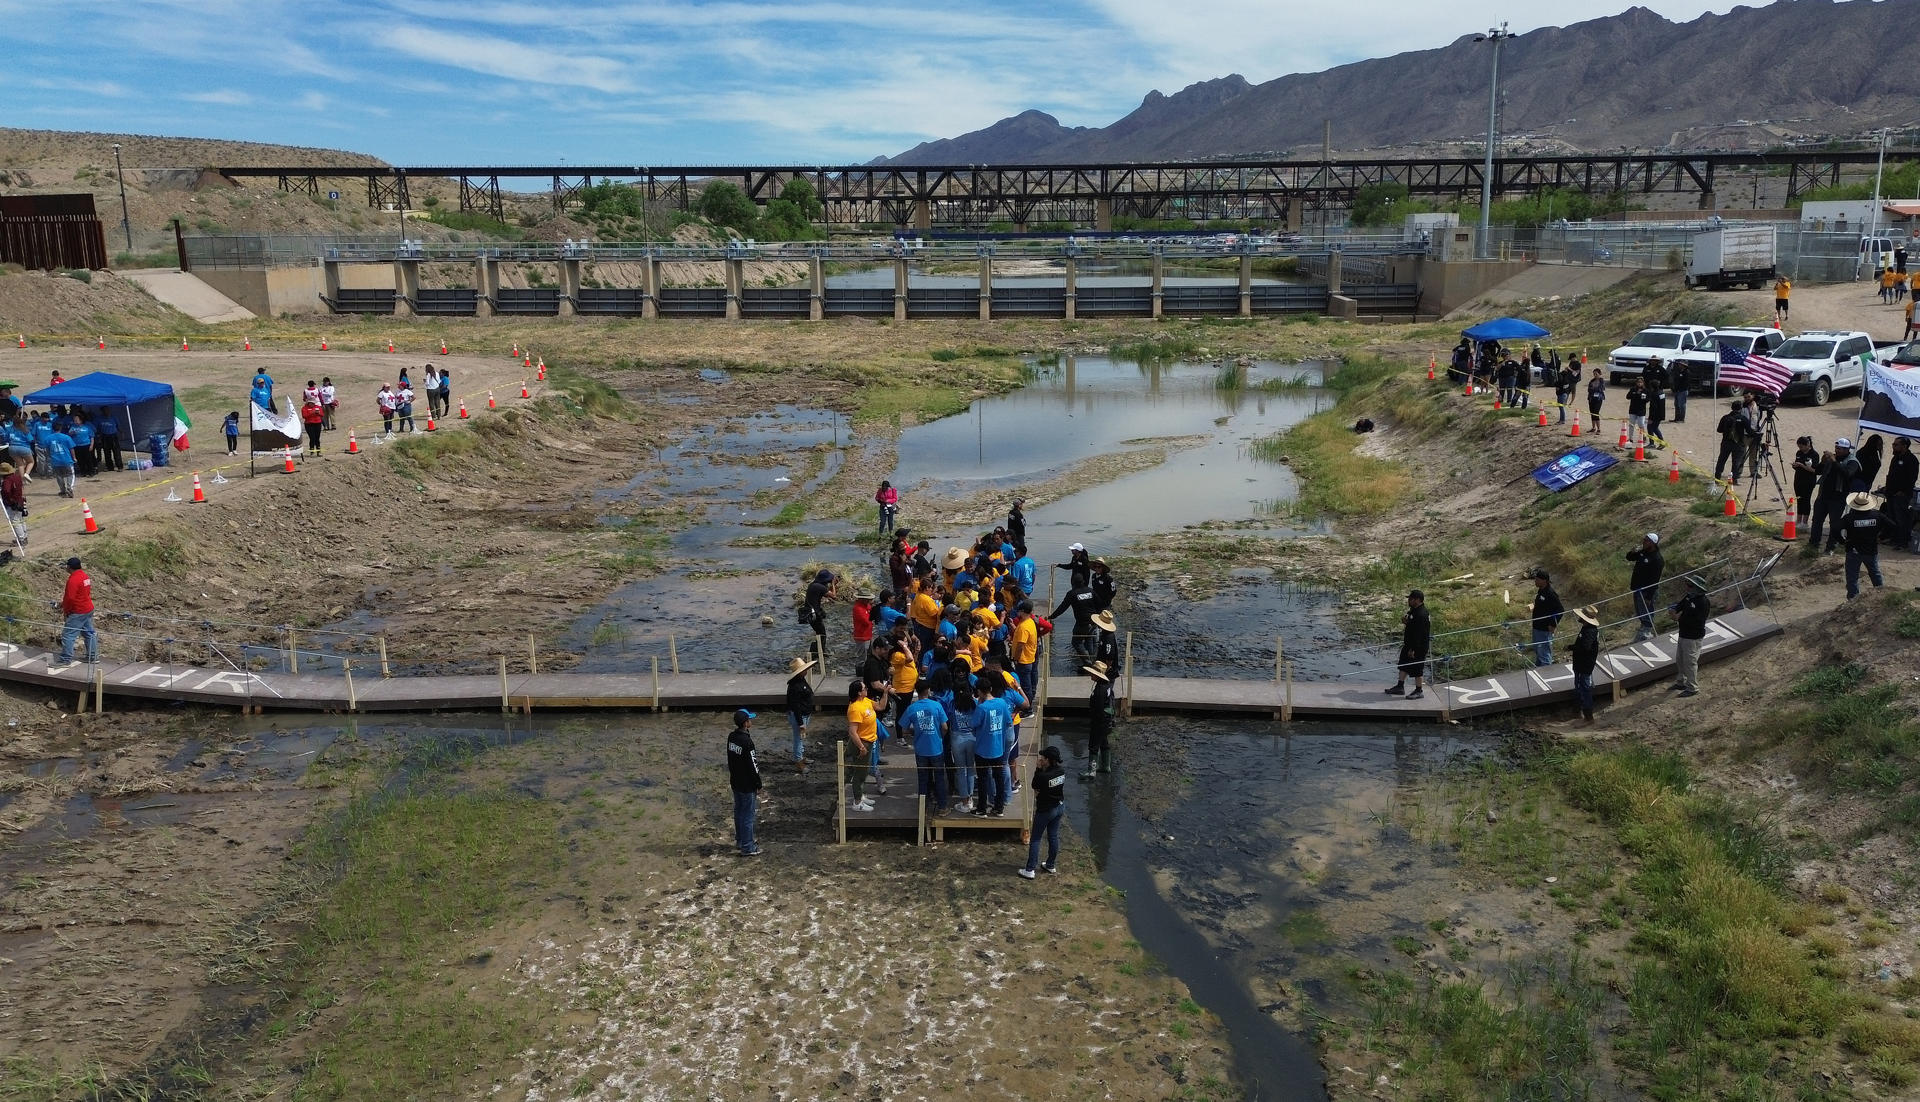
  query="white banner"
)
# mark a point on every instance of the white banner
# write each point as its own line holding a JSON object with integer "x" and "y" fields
{"x": 1891, "y": 401}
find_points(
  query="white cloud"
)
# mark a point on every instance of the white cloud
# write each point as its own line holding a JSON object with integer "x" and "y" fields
{"x": 502, "y": 58}
{"x": 227, "y": 97}
{"x": 313, "y": 101}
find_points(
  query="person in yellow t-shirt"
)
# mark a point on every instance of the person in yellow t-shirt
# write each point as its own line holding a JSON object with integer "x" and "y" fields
{"x": 1024, "y": 644}
{"x": 903, "y": 675}
{"x": 925, "y": 612}
{"x": 1913, "y": 283}
{"x": 1887, "y": 280}
{"x": 1782, "y": 289}
{"x": 863, "y": 734}
{"x": 1908, "y": 335}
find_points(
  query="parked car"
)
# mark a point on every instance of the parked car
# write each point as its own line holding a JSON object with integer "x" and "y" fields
{"x": 1749, "y": 339}
{"x": 1692, "y": 343}
{"x": 1824, "y": 361}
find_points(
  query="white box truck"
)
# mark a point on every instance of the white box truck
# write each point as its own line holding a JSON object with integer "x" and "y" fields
{"x": 1728, "y": 256}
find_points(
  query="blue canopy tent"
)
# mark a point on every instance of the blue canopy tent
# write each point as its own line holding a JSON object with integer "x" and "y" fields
{"x": 1504, "y": 329}
{"x": 140, "y": 407}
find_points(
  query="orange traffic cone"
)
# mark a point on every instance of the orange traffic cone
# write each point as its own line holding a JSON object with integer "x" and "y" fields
{"x": 463, "y": 409}
{"x": 87, "y": 526}
{"x": 1469, "y": 391}
{"x": 23, "y": 340}
{"x": 389, "y": 344}
{"x": 1623, "y": 436}
{"x": 1583, "y": 357}
{"x": 183, "y": 345}
{"x": 1732, "y": 509}
{"x": 443, "y": 346}
{"x": 1496, "y": 400}
{"x": 1432, "y": 362}
{"x": 103, "y": 344}
{"x": 290, "y": 467}
{"x": 323, "y": 344}
{"x": 199, "y": 495}
{"x": 430, "y": 425}
{"x": 515, "y": 354}
{"x": 490, "y": 402}
{"x": 524, "y": 392}
{"x": 353, "y": 443}
{"x": 526, "y": 360}
{"x": 247, "y": 345}
{"x": 1543, "y": 417}
{"x": 543, "y": 370}
{"x": 1640, "y": 452}
{"x": 1576, "y": 424}
{"x": 1673, "y": 472}
{"x": 1776, "y": 323}
{"x": 1791, "y": 531}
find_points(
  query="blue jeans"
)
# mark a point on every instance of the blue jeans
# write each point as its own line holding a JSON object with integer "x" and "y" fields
{"x": 933, "y": 778}
{"x": 1583, "y": 689}
{"x": 1643, "y": 607}
{"x": 1542, "y": 646}
{"x": 963, "y": 766}
{"x": 1047, "y": 822}
{"x": 744, "y": 806}
{"x": 1029, "y": 675}
{"x": 888, "y": 514}
{"x": 1855, "y": 560}
{"x": 994, "y": 782}
{"x": 81, "y": 623}
{"x": 799, "y": 725}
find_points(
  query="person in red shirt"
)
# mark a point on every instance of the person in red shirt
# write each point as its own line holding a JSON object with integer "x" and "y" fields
{"x": 77, "y": 603}
{"x": 314, "y": 415}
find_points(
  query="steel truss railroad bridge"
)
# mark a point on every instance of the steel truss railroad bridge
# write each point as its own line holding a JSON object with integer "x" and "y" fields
{"x": 922, "y": 196}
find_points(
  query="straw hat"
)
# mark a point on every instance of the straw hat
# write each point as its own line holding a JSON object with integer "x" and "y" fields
{"x": 955, "y": 559}
{"x": 1104, "y": 620}
{"x": 1859, "y": 501}
{"x": 6, "y": 469}
{"x": 1588, "y": 615}
{"x": 1098, "y": 671}
{"x": 799, "y": 664}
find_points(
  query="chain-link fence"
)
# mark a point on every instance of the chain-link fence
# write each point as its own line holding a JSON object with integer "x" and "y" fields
{"x": 1812, "y": 256}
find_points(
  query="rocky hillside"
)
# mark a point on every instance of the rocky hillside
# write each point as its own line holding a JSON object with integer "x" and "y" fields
{"x": 1750, "y": 78}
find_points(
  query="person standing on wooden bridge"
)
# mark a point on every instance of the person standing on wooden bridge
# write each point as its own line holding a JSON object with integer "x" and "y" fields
{"x": 77, "y": 604}
{"x": 799, "y": 708}
{"x": 1546, "y": 614}
{"x": 1693, "y": 611}
{"x": 863, "y": 737}
{"x": 743, "y": 775}
{"x": 1416, "y": 636}
{"x": 1100, "y": 712}
{"x": 1586, "y": 656}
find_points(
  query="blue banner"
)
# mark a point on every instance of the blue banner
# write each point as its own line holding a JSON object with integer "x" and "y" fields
{"x": 1572, "y": 468}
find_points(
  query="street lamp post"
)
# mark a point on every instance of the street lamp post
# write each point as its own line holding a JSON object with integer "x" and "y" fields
{"x": 1496, "y": 36}
{"x": 120, "y": 174}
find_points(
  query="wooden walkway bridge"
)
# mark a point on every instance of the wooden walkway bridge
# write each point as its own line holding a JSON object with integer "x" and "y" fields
{"x": 1620, "y": 668}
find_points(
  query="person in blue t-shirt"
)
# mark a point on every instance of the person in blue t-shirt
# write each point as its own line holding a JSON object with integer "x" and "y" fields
{"x": 20, "y": 449}
{"x": 60, "y": 461}
{"x": 925, "y": 721}
{"x": 992, "y": 724}
{"x": 1023, "y": 573}
{"x": 106, "y": 445}
{"x": 81, "y": 433}
{"x": 38, "y": 429}
{"x": 263, "y": 390}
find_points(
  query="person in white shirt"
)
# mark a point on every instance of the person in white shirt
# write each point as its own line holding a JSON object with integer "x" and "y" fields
{"x": 329, "y": 401}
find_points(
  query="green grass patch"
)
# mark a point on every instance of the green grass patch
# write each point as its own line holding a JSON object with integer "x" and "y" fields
{"x": 123, "y": 559}
{"x": 1158, "y": 348}
{"x": 416, "y": 454}
{"x": 475, "y": 222}
{"x": 413, "y": 876}
{"x": 889, "y": 402}
{"x": 783, "y": 540}
{"x": 584, "y": 394}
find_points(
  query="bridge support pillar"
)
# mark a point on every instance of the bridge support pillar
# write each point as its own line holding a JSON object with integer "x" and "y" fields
{"x": 1246, "y": 285}
{"x": 922, "y": 215}
{"x": 736, "y": 283}
{"x": 817, "y": 285}
{"x": 1707, "y": 199}
{"x": 569, "y": 288}
{"x": 986, "y": 288}
{"x": 1159, "y": 281}
{"x": 1073, "y": 285}
{"x": 900, "y": 288}
{"x": 1103, "y": 215}
{"x": 1333, "y": 273}
{"x": 650, "y": 287}
{"x": 406, "y": 287}
{"x": 330, "y": 279}
{"x": 485, "y": 278}
{"x": 1295, "y": 212}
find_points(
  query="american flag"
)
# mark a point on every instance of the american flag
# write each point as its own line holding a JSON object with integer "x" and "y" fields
{"x": 1753, "y": 371}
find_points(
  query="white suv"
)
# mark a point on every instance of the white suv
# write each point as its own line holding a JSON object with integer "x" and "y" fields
{"x": 1692, "y": 343}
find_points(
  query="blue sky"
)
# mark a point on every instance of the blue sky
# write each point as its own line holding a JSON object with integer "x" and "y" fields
{"x": 672, "y": 81}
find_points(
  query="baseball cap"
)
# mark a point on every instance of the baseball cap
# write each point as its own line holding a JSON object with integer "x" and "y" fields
{"x": 741, "y": 716}
{"x": 1843, "y": 442}
{"x": 1653, "y": 537}
{"x": 1076, "y": 547}
{"x": 73, "y": 563}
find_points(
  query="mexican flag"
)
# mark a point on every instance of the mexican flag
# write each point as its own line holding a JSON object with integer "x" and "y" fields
{"x": 181, "y": 423}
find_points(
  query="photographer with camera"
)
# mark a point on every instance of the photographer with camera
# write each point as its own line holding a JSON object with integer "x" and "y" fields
{"x": 1733, "y": 430}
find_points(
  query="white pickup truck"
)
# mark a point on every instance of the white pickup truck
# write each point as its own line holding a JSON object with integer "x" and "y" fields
{"x": 1823, "y": 361}
{"x": 1692, "y": 343}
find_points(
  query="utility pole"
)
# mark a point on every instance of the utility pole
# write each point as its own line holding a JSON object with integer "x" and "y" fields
{"x": 1873, "y": 220}
{"x": 1496, "y": 36}
{"x": 120, "y": 174}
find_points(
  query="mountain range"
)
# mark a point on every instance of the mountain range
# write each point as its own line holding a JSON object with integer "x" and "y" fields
{"x": 1751, "y": 78}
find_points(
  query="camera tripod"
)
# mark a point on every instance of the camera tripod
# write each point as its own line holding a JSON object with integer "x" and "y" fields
{"x": 1767, "y": 449}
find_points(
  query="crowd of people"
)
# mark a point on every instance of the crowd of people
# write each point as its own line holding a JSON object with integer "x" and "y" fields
{"x": 320, "y": 404}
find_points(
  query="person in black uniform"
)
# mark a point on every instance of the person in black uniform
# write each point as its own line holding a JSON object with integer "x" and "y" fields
{"x": 1079, "y": 570}
{"x": 1902, "y": 468}
{"x": 1100, "y": 712}
{"x": 813, "y": 611}
{"x": 1862, "y": 524}
{"x": 1647, "y": 568}
{"x": 1049, "y": 807}
{"x": 1545, "y": 614}
{"x": 1680, "y": 378}
{"x": 1102, "y": 583}
{"x": 1081, "y": 599}
{"x": 1017, "y": 526}
{"x": 1693, "y": 610}
{"x": 799, "y": 708}
{"x": 1566, "y": 381}
{"x": 1416, "y": 635}
{"x": 743, "y": 774}
{"x": 1732, "y": 428}
{"x": 1106, "y": 640}
{"x": 1586, "y": 655}
{"x": 1806, "y": 476}
{"x": 1656, "y": 383}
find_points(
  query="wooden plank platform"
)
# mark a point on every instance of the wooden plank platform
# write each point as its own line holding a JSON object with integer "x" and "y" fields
{"x": 901, "y": 808}
{"x": 1629, "y": 666}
